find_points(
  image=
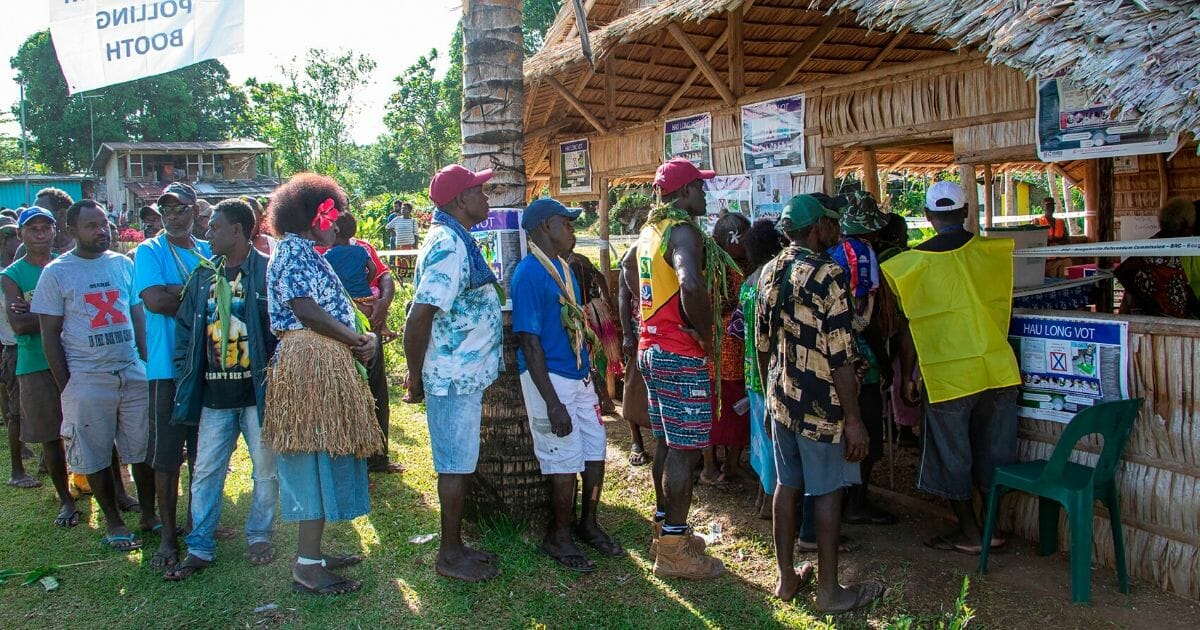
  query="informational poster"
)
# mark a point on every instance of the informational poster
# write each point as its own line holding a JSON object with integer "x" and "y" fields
{"x": 502, "y": 241}
{"x": 1068, "y": 364}
{"x": 1072, "y": 126}
{"x": 1125, "y": 165}
{"x": 689, "y": 138}
{"x": 773, "y": 135}
{"x": 104, "y": 42}
{"x": 724, "y": 194}
{"x": 770, "y": 191}
{"x": 574, "y": 167}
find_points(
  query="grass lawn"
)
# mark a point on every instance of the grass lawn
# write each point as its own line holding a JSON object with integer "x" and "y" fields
{"x": 402, "y": 590}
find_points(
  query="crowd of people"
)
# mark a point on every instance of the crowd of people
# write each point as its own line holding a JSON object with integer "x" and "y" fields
{"x": 777, "y": 339}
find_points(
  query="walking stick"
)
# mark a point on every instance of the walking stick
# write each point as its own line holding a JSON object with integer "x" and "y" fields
{"x": 887, "y": 428}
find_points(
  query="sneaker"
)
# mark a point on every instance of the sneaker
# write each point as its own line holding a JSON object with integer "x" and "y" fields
{"x": 678, "y": 557}
{"x": 656, "y": 526}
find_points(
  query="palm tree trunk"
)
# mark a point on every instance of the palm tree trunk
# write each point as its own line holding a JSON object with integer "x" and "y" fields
{"x": 508, "y": 480}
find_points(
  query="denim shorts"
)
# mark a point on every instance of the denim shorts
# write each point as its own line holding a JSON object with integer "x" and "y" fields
{"x": 454, "y": 430}
{"x": 320, "y": 485}
{"x": 965, "y": 439}
{"x": 817, "y": 467}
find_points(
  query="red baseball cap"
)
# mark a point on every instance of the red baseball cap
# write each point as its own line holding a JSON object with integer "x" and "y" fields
{"x": 677, "y": 173}
{"x": 452, "y": 180}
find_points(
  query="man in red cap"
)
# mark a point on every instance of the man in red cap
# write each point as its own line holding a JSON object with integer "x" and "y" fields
{"x": 673, "y": 269}
{"x": 452, "y": 344}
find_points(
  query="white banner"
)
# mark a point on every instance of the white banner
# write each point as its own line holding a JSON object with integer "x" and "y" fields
{"x": 104, "y": 42}
{"x": 1185, "y": 246}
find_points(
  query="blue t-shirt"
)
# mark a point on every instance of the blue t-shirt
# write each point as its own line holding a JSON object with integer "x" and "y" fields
{"x": 350, "y": 262}
{"x": 158, "y": 263}
{"x": 537, "y": 311}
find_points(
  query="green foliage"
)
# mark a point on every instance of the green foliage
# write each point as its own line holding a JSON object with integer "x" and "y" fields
{"x": 423, "y": 129}
{"x": 192, "y": 103}
{"x": 307, "y": 116}
{"x": 627, "y": 205}
{"x": 536, "y": 18}
{"x": 957, "y": 619}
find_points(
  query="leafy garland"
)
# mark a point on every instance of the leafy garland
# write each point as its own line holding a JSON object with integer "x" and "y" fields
{"x": 717, "y": 265}
{"x": 571, "y": 313}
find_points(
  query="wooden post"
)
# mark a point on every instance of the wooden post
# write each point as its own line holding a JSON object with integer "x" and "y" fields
{"x": 1091, "y": 200}
{"x": 1066, "y": 200}
{"x": 829, "y": 172}
{"x": 605, "y": 263}
{"x": 989, "y": 194}
{"x": 1010, "y": 194}
{"x": 737, "y": 56}
{"x": 871, "y": 173}
{"x": 1105, "y": 219}
{"x": 966, "y": 176}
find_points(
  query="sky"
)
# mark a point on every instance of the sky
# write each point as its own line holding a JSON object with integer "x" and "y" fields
{"x": 394, "y": 34}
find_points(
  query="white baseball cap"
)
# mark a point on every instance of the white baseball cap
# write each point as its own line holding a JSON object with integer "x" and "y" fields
{"x": 945, "y": 197}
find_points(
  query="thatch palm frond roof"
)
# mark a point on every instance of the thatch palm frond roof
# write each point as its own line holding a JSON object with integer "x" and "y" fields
{"x": 1140, "y": 55}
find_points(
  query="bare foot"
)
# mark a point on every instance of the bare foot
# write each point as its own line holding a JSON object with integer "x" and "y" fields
{"x": 480, "y": 555}
{"x": 599, "y": 540}
{"x": 563, "y": 550}
{"x": 764, "y": 511}
{"x": 852, "y": 598}
{"x": 461, "y": 567}
{"x": 789, "y": 585}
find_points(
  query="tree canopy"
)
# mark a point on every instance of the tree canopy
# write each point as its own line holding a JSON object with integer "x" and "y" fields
{"x": 193, "y": 103}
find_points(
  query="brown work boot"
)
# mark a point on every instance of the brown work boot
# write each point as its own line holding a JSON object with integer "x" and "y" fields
{"x": 656, "y": 527}
{"x": 679, "y": 557}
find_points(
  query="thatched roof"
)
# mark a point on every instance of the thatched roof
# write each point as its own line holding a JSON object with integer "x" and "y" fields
{"x": 1140, "y": 55}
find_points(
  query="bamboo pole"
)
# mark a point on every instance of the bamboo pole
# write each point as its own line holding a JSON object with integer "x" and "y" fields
{"x": 828, "y": 174}
{"x": 891, "y": 45}
{"x": 1091, "y": 200}
{"x": 966, "y": 176}
{"x": 1010, "y": 194}
{"x": 870, "y": 173}
{"x": 989, "y": 194}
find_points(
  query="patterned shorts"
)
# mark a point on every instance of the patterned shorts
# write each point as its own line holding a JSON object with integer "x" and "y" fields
{"x": 680, "y": 392}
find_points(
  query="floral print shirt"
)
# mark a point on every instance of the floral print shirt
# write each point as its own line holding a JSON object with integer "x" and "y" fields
{"x": 464, "y": 347}
{"x": 296, "y": 270}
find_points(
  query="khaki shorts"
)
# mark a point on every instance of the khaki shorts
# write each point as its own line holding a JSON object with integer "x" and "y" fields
{"x": 101, "y": 409}
{"x": 41, "y": 412}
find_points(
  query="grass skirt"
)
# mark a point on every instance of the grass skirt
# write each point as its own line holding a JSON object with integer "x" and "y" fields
{"x": 316, "y": 401}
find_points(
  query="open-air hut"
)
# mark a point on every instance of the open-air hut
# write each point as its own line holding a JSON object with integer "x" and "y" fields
{"x": 926, "y": 87}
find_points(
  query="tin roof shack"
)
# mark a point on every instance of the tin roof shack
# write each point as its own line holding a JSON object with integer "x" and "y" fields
{"x": 13, "y": 190}
{"x": 134, "y": 173}
{"x": 900, "y": 96}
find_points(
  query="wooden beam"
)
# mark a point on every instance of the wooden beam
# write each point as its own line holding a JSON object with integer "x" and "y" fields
{"x": 577, "y": 104}
{"x": 701, "y": 62}
{"x": 610, "y": 94}
{"x": 695, "y": 74}
{"x": 737, "y": 53}
{"x": 870, "y": 173}
{"x": 891, "y": 45}
{"x": 803, "y": 54}
{"x": 966, "y": 177}
{"x": 654, "y": 58}
{"x": 989, "y": 194}
{"x": 587, "y": 10}
{"x": 903, "y": 160}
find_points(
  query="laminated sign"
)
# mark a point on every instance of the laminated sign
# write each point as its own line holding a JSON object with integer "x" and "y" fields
{"x": 104, "y": 42}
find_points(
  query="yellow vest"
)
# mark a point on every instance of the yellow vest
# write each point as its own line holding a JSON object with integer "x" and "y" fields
{"x": 659, "y": 298}
{"x": 958, "y": 304}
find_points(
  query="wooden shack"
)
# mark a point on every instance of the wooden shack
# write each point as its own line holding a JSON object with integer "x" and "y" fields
{"x": 880, "y": 96}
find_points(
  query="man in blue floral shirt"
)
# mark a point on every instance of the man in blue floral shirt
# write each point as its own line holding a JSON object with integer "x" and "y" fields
{"x": 452, "y": 343}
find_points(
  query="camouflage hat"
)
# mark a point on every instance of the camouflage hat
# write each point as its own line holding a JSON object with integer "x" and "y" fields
{"x": 863, "y": 216}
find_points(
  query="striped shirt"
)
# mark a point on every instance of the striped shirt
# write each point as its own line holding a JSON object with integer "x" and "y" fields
{"x": 404, "y": 231}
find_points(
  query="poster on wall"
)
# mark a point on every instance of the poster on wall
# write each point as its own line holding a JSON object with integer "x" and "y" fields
{"x": 1068, "y": 364}
{"x": 502, "y": 242}
{"x": 769, "y": 192}
{"x": 773, "y": 135}
{"x": 689, "y": 138}
{"x": 574, "y": 167}
{"x": 725, "y": 193}
{"x": 1073, "y": 126}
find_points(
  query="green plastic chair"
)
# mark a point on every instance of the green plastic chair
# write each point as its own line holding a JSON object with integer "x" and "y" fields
{"x": 1073, "y": 486}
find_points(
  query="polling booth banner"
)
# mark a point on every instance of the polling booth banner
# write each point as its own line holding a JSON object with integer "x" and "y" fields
{"x": 104, "y": 42}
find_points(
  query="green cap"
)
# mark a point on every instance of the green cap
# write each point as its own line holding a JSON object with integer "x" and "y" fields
{"x": 802, "y": 211}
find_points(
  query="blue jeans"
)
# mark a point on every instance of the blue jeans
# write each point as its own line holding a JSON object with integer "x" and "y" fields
{"x": 219, "y": 429}
{"x": 454, "y": 430}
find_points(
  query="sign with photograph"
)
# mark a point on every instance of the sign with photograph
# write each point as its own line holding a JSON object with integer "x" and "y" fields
{"x": 1068, "y": 364}
{"x": 773, "y": 135}
{"x": 689, "y": 138}
{"x": 502, "y": 241}
{"x": 770, "y": 192}
{"x": 574, "y": 167}
{"x": 1073, "y": 126}
{"x": 723, "y": 194}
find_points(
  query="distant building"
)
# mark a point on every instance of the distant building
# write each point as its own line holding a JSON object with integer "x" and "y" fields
{"x": 12, "y": 187}
{"x": 135, "y": 173}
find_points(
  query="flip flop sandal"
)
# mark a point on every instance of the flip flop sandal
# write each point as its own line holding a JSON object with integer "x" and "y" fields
{"x": 942, "y": 543}
{"x": 164, "y": 559}
{"x": 261, "y": 558}
{"x": 606, "y": 546}
{"x": 184, "y": 570}
{"x": 639, "y": 458}
{"x": 341, "y": 562}
{"x": 67, "y": 521}
{"x": 845, "y": 545}
{"x": 807, "y": 572}
{"x": 329, "y": 589}
{"x": 866, "y": 594}
{"x": 27, "y": 483}
{"x": 115, "y": 541}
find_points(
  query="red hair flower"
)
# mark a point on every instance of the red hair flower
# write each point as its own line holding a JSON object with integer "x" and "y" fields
{"x": 327, "y": 213}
